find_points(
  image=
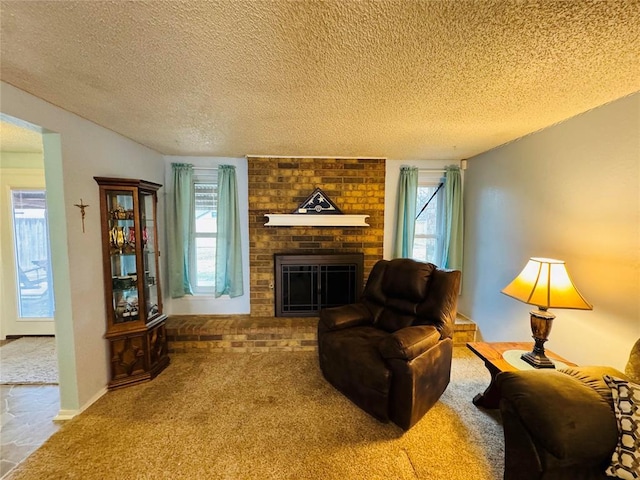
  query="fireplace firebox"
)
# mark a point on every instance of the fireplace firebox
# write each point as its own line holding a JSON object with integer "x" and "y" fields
{"x": 305, "y": 284}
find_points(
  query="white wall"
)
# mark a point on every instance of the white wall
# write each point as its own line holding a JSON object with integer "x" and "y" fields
{"x": 392, "y": 176}
{"x": 208, "y": 304}
{"x": 570, "y": 192}
{"x": 75, "y": 152}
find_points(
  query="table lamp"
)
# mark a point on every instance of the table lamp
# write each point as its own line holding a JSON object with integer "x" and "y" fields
{"x": 544, "y": 282}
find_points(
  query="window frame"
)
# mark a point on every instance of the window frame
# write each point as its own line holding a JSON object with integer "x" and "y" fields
{"x": 430, "y": 179}
{"x": 40, "y": 285}
{"x": 208, "y": 176}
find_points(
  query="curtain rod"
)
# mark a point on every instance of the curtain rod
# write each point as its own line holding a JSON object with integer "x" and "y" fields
{"x": 201, "y": 168}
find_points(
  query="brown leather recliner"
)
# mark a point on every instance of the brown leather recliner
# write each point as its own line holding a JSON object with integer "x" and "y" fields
{"x": 391, "y": 353}
{"x": 560, "y": 424}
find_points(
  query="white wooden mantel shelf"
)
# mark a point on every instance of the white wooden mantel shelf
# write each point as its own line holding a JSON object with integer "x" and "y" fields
{"x": 314, "y": 220}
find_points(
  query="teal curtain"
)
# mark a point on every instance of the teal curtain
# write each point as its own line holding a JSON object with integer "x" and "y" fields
{"x": 228, "y": 244}
{"x": 180, "y": 232}
{"x": 453, "y": 219}
{"x": 406, "y": 212}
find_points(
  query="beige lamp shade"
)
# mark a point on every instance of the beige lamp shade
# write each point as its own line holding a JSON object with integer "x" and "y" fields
{"x": 545, "y": 282}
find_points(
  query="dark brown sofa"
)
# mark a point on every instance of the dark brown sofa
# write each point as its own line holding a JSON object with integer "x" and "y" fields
{"x": 391, "y": 353}
{"x": 560, "y": 425}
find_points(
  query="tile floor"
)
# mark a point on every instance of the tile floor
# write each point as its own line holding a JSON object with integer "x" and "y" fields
{"x": 26, "y": 414}
{"x": 27, "y": 421}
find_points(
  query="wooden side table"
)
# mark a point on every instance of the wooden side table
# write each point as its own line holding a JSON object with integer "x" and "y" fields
{"x": 493, "y": 355}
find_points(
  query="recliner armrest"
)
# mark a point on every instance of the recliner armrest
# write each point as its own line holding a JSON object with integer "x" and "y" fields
{"x": 593, "y": 377}
{"x": 571, "y": 420}
{"x": 410, "y": 342}
{"x": 345, "y": 316}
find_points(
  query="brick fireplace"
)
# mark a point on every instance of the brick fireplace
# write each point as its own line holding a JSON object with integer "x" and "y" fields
{"x": 278, "y": 185}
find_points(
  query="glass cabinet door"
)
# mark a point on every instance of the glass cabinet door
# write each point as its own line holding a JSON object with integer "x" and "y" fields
{"x": 150, "y": 281}
{"x": 122, "y": 253}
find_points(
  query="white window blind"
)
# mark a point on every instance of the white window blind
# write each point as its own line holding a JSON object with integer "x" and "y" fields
{"x": 205, "y": 188}
{"x": 428, "y": 237}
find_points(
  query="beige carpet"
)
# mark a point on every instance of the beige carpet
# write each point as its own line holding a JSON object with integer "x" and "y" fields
{"x": 29, "y": 360}
{"x": 268, "y": 416}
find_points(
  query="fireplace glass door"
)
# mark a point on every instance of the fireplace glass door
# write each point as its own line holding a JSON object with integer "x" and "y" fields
{"x": 305, "y": 284}
{"x": 300, "y": 289}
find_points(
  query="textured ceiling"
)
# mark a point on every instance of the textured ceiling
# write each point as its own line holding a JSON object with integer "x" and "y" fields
{"x": 14, "y": 138}
{"x": 398, "y": 79}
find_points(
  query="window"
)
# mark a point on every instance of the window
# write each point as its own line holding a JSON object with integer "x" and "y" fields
{"x": 428, "y": 237}
{"x": 203, "y": 268}
{"x": 33, "y": 264}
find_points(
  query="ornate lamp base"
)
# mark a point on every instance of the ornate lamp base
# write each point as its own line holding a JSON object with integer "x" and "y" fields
{"x": 541, "y": 322}
{"x": 538, "y": 361}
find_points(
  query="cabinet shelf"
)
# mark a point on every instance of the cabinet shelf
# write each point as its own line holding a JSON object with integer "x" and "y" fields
{"x": 116, "y": 253}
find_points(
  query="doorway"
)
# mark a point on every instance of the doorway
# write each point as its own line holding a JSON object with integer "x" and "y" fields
{"x": 26, "y": 278}
{"x": 27, "y": 293}
{"x": 29, "y": 384}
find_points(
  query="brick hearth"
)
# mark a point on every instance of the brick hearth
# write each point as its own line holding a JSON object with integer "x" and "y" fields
{"x": 244, "y": 333}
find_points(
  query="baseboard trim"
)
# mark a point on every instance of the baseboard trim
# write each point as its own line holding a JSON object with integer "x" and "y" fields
{"x": 64, "y": 414}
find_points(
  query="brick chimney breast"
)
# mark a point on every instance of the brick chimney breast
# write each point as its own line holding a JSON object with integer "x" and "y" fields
{"x": 278, "y": 185}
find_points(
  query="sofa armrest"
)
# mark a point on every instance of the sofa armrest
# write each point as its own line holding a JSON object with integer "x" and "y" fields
{"x": 568, "y": 418}
{"x": 410, "y": 342}
{"x": 345, "y": 316}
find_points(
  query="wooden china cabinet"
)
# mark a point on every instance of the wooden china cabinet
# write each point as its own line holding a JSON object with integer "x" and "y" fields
{"x": 136, "y": 329}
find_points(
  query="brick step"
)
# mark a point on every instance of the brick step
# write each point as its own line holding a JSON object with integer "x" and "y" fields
{"x": 243, "y": 333}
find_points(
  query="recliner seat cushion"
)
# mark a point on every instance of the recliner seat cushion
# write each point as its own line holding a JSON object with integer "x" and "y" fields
{"x": 355, "y": 358}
